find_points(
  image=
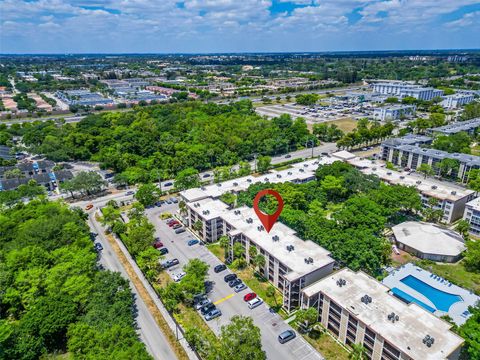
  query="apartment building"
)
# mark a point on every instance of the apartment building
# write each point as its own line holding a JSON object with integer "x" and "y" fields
{"x": 451, "y": 198}
{"x": 456, "y": 100}
{"x": 396, "y": 112}
{"x": 291, "y": 264}
{"x": 402, "y": 89}
{"x": 357, "y": 309}
{"x": 472, "y": 215}
{"x": 469, "y": 126}
{"x": 412, "y": 156}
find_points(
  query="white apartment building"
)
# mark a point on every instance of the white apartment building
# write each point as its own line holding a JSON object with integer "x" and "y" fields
{"x": 472, "y": 215}
{"x": 402, "y": 89}
{"x": 357, "y": 309}
{"x": 395, "y": 112}
{"x": 291, "y": 263}
{"x": 456, "y": 100}
{"x": 451, "y": 198}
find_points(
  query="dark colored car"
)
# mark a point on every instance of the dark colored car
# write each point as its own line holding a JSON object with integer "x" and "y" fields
{"x": 286, "y": 336}
{"x": 168, "y": 184}
{"x": 219, "y": 268}
{"x": 98, "y": 247}
{"x": 176, "y": 226}
{"x": 229, "y": 277}
{"x": 207, "y": 308}
{"x": 249, "y": 296}
{"x": 234, "y": 283}
{"x": 288, "y": 156}
{"x": 157, "y": 244}
{"x": 205, "y": 175}
{"x": 192, "y": 242}
{"x": 180, "y": 230}
{"x": 169, "y": 263}
{"x": 163, "y": 251}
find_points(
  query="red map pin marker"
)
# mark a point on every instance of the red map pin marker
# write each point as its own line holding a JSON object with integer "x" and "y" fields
{"x": 268, "y": 220}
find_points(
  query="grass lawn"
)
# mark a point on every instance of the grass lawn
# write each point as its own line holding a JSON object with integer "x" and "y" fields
{"x": 475, "y": 150}
{"x": 345, "y": 124}
{"x": 326, "y": 345}
{"x": 190, "y": 318}
{"x": 260, "y": 286}
{"x": 457, "y": 274}
{"x": 217, "y": 250}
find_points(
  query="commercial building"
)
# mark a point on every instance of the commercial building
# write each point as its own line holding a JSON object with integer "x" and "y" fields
{"x": 395, "y": 112}
{"x": 469, "y": 126}
{"x": 402, "y": 89}
{"x": 472, "y": 215}
{"x": 412, "y": 156}
{"x": 291, "y": 263}
{"x": 451, "y": 198}
{"x": 357, "y": 309}
{"x": 83, "y": 98}
{"x": 456, "y": 100}
{"x": 429, "y": 241}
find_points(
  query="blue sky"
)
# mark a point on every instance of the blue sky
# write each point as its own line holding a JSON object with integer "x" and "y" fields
{"x": 80, "y": 26}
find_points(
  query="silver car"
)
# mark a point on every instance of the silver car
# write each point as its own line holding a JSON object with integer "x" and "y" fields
{"x": 240, "y": 287}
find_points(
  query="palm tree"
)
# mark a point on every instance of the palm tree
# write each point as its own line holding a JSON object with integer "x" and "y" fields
{"x": 259, "y": 261}
{"x": 358, "y": 352}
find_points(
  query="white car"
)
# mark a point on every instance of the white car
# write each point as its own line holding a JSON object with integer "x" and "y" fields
{"x": 179, "y": 276}
{"x": 252, "y": 304}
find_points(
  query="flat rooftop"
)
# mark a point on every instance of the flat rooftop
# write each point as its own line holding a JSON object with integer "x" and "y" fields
{"x": 475, "y": 204}
{"x": 407, "y": 333}
{"x": 410, "y": 139}
{"x": 429, "y": 238}
{"x": 458, "y": 126}
{"x": 439, "y": 154}
{"x": 432, "y": 187}
{"x": 298, "y": 172}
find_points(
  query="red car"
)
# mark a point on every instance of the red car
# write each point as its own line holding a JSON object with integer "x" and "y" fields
{"x": 157, "y": 244}
{"x": 249, "y": 296}
{"x": 173, "y": 223}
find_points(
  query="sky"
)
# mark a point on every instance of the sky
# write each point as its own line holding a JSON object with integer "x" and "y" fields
{"x": 207, "y": 26}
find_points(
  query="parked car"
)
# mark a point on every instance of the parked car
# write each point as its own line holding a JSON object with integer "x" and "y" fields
{"x": 88, "y": 207}
{"x": 174, "y": 200}
{"x": 158, "y": 204}
{"x": 168, "y": 184}
{"x": 288, "y": 156}
{"x": 240, "y": 287}
{"x": 163, "y": 251}
{"x": 229, "y": 277}
{"x": 286, "y": 336}
{"x": 203, "y": 302}
{"x": 180, "y": 230}
{"x": 207, "y": 308}
{"x": 192, "y": 242}
{"x": 249, "y": 296}
{"x": 179, "y": 276}
{"x": 219, "y": 268}
{"x": 205, "y": 175}
{"x": 130, "y": 192}
{"x": 157, "y": 244}
{"x": 98, "y": 246}
{"x": 252, "y": 304}
{"x": 168, "y": 201}
{"x": 173, "y": 223}
{"x": 234, "y": 282}
{"x": 169, "y": 263}
{"x": 176, "y": 226}
{"x": 213, "y": 314}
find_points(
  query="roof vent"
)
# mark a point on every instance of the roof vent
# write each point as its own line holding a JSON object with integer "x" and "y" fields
{"x": 249, "y": 220}
{"x": 341, "y": 282}
{"x": 290, "y": 247}
{"x": 260, "y": 228}
{"x": 308, "y": 260}
{"x": 366, "y": 299}
{"x": 275, "y": 238}
{"x": 428, "y": 340}
{"x": 393, "y": 317}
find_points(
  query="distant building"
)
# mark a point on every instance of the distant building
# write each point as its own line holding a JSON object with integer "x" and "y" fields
{"x": 469, "y": 126}
{"x": 472, "y": 215}
{"x": 456, "y": 100}
{"x": 429, "y": 241}
{"x": 82, "y": 98}
{"x": 357, "y": 309}
{"x": 395, "y": 112}
{"x": 401, "y": 90}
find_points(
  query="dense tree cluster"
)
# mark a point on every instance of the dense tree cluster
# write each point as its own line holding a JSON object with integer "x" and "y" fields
{"x": 344, "y": 211}
{"x": 170, "y": 137}
{"x": 367, "y": 132}
{"x": 53, "y": 299}
{"x": 459, "y": 143}
{"x": 26, "y": 191}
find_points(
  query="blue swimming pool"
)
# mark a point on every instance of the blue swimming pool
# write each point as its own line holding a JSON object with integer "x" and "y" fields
{"x": 441, "y": 299}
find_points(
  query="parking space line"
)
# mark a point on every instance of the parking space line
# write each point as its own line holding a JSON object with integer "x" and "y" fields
{"x": 223, "y": 299}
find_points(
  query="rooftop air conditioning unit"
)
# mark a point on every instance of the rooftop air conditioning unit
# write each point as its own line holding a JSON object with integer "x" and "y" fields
{"x": 279, "y": 176}
{"x": 235, "y": 184}
{"x": 419, "y": 182}
{"x": 389, "y": 173}
{"x": 402, "y": 177}
{"x": 219, "y": 184}
{"x": 266, "y": 179}
{"x": 301, "y": 170}
{"x": 341, "y": 282}
{"x": 454, "y": 192}
{"x": 434, "y": 187}
{"x": 249, "y": 180}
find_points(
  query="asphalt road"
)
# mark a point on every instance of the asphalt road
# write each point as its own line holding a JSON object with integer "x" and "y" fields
{"x": 150, "y": 334}
{"x": 229, "y": 302}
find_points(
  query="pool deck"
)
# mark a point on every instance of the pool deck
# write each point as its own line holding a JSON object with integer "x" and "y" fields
{"x": 456, "y": 311}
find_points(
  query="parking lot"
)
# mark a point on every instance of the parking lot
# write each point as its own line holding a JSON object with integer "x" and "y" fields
{"x": 229, "y": 302}
{"x": 318, "y": 113}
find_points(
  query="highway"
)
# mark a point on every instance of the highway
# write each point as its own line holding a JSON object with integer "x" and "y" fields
{"x": 150, "y": 334}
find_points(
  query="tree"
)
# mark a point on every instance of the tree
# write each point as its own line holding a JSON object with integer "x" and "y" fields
{"x": 147, "y": 194}
{"x": 358, "y": 352}
{"x": 187, "y": 179}
{"x": 259, "y": 261}
{"x": 240, "y": 340}
{"x": 238, "y": 250}
{"x": 182, "y": 206}
{"x": 426, "y": 170}
{"x": 86, "y": 182}
{"x": 263, "y": 163}
{"x": 110, "y": 215}
{"x": 473, "y": 180}
{"x": 306, "y": 99}
{"x": 446, "y": 166}
{"x": 244, "y": 168}
{"x": 307, "y": 318}
{"x": 459, "y": 142}
{"x": 472, "y": 256}
{"x": 463, "y": 226}
{"x": 13, "y": 174}
{"x": 198, "y": 226}
{"x": 470, "y": 331}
